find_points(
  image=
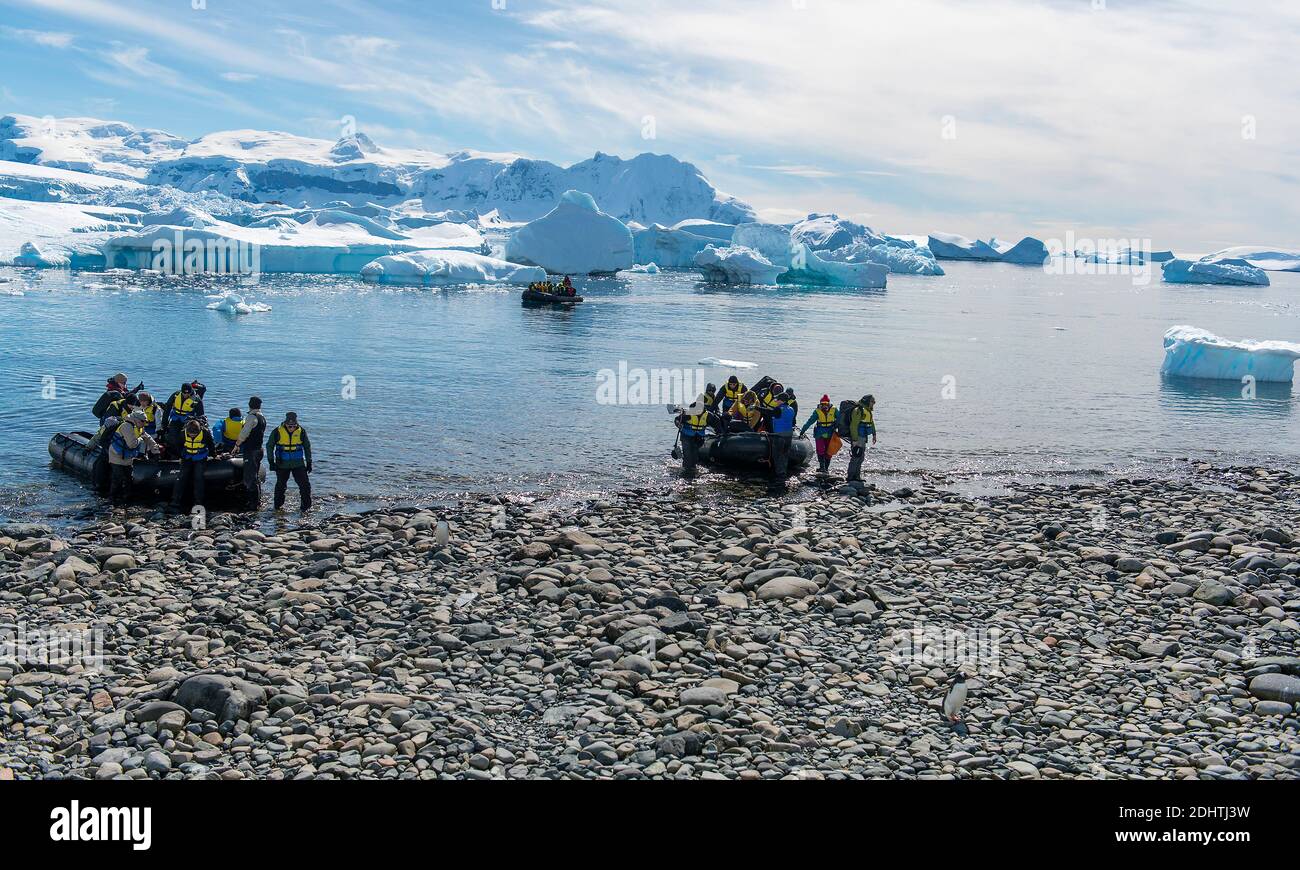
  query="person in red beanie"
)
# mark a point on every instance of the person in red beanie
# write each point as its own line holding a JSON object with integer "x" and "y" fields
{"x": 823, "y": 419}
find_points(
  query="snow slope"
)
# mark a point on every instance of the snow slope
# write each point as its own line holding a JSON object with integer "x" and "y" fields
{"x": 1195, "y": 353}
{"x": 48, "y": 184}
{"x": 574, "y": 238}
{"x": 70, "y": 229}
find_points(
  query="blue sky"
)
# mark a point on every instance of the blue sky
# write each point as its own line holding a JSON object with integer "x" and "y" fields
{"x": 1112, "y": 119}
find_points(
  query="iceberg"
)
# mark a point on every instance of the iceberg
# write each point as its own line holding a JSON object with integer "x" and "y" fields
{"x": 644, "y": 268}
{"x": 31, "y": 256}
{"x": 726, "y": 363}
{"x": 900, "y": 257}
{"x": 718, "y": 232}
{"x": 233, "y": 303}
{"x": 949, "y": 246}
{"x": 809, "y": 268}
{"x": 1268, "y": 259}
{"x": 1195, "y": 353}
{"x": 670, "y": 248}
{"x": 574, "y": 238}
{"x": 1225, "y": 271}
{"x": 771, "y": 240}
{"x": 444, "y": 267}
{"x": 827, "y": 232}
{"x": 736, "y": 264}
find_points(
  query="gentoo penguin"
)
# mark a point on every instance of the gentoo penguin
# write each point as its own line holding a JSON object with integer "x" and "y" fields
{"x": 953, "y": 701}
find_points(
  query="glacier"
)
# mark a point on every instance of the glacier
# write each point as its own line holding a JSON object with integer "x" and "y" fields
{"x": 574, "y": 238}
{"x": 1194, "y": 353}
{"x": 31, "y": 256}
{"x": 1268, "y": 259}
{"x": 736, "y": 264}
{"x": 444, "y": 267}
{"x": 1206, "y": 271}
{"x": 258, "y": 166}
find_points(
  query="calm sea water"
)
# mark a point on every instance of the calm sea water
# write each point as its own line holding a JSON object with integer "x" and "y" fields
{"x": 989, "y": 373}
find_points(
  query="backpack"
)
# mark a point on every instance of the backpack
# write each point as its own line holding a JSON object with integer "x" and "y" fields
{"x": 842, "y": 423}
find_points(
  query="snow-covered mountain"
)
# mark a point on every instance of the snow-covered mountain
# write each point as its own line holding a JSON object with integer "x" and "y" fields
{"x": 261, "y": 166}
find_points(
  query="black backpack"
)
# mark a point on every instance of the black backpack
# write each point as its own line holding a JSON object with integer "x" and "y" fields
{"x": 842, "y": 423}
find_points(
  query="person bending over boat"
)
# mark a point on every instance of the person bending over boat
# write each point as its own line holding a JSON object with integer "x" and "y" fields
{"x": 129, "y": 440}
{"x": 152, "y": 411}
{"x": 782, "y": 434}
{"x": 693, "y": 422}
{"x": 767, "y": 402}
{"x": 196, "y": 449}
{"x": 288, "y": 452}
{"x": 823, "y": 419}
{"x": 862, "y": 425}
{"x": 119, "y": 408}
{"x": 732, "y": 390}
{"x": 745, "y": 416}
{"x": 113, "y": 390}
{"x": 226, "y": 433}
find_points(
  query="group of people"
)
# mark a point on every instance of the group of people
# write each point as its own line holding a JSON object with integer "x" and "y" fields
{"x": 132, "y": 424}
{"x": 563, "y": 288}
{"x": 770, "y": 407}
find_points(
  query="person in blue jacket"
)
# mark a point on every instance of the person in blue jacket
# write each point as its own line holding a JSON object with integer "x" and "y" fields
{"x": 783, "y": 421}
{"x": 226, "y": 433}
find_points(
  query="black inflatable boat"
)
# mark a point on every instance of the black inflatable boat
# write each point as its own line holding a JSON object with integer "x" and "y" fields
{"x": 749, "y": 451}
{"x": 150, "y": 478}
{"x": 536, "y": 298}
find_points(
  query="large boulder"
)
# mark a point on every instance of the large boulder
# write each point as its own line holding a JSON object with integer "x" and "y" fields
{"x": 574, "y": 238}
{"x": 228, "y": 697}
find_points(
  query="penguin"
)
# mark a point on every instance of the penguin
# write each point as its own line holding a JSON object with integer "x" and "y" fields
{"x": 952, "y": 704}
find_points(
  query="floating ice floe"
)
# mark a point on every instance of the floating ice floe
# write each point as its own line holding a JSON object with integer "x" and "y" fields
{"x": 441, "y": 268}
{"x": 949, "y": 246}
{"x": 574, "y": 238}
{"x": 233, "y": 303}
{"x": 1123, "y": 256}
{"x": 1222, "y": 271}
{"x": 644, "y": 268}
{"x": 1195, "y": 353}
{"x": 1268, "y": 259}
{"x": 726, "y": 363}
{"x": 671, "y": 248}
{"x": 736, "y": 264}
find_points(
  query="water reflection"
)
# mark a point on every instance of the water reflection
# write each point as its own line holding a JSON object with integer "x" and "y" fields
{"x": 1225, "y": 397}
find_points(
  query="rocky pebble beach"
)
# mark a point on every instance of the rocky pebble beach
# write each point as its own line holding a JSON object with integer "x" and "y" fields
{"x": 1119, "y": 628}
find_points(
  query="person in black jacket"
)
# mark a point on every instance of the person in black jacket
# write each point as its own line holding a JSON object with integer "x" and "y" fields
{"x": 115, "y": 389}
{"x": 196, "y": 449}
{"x": 249, "y": 446}
{"x": 183, "y": 406}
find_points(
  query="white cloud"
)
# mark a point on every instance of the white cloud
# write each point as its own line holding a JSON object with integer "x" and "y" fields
{"x": 238, "y": 76}
{"x": 44, "y": 38}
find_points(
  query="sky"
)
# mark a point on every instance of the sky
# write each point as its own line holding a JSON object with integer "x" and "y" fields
{"x": 1109, "y": 119}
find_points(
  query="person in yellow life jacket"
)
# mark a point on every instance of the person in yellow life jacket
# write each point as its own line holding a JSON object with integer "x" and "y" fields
{"x": 693, "y": 423}
{"x": 862, "y": 425}
{"x": 129, "y": 440}
{"x": 768, "y": 402}
{"x": 823, "y": 419}
{"x": 197, "y": 447}
{"x": 183, "y": 406}
{"x": 288, "y": 451}
{"x": 152, "y": 411}
{"x": 732, "y": 390}
{"x": 226, "y": 433}
{"x": 745, "y": 412}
